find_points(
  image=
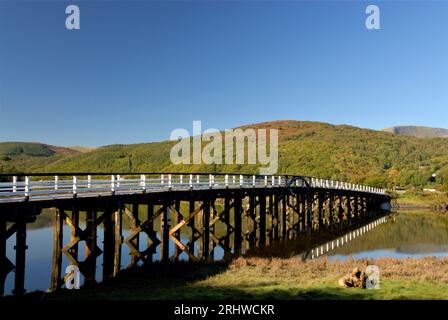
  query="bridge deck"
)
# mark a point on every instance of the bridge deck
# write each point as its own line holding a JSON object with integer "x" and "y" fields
{"x": 23, "y": 188}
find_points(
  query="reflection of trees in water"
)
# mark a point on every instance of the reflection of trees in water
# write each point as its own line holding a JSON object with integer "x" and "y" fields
{"x": 411, "y": 232}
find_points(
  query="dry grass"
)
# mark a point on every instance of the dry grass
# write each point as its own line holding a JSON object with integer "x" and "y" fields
{"x": 273, "y": 279}
{"x": 430, "y": 269}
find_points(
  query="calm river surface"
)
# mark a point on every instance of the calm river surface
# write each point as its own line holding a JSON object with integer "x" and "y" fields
{"x": 405, "y": 234}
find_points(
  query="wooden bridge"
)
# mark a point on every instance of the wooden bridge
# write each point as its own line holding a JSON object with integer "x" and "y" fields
{"x": 231, "y": 211}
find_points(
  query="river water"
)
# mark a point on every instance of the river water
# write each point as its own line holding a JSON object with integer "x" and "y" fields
{"x": 403, "y": 234}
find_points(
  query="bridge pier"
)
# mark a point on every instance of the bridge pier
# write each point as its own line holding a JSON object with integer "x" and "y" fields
{"x": 108, "y": 244}
{"x": 57, "y": 250}
{"x": 3, "y": 260}
{"x": 118, "y": 239}
{"x": 74, "y": 231}
{"x": 164, "y": 233}
{"x": 89, "y": 264}
{"x": 262, "y": 221}
{"x": 20, "y": 248}
{"x": 191, "y": 224}
{"x": 237, "y": 210}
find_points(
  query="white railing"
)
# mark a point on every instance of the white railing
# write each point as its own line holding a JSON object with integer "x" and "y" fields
{"x": 37, "y": 187}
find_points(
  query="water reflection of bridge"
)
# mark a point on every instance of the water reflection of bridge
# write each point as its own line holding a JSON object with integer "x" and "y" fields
{"x": 235, "y": 212}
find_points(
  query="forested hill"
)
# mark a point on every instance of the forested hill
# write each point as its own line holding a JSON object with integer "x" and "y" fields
{"x": 31, "y": 156}
{"x": 342, "y": 152}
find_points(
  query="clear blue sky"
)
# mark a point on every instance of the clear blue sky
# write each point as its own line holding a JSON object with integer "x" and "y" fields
{"x": 137, "y": 70}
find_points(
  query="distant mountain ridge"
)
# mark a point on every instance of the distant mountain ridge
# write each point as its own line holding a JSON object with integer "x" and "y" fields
{"x": 419, "y": 131}
{"x": 31, "y": 156}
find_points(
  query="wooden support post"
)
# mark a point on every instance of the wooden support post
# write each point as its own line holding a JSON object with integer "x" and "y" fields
{"x": 3, "y": 257}
{"x": 118, "y": 239}
{"x": 237, "y": 210}
{"x": 364, "y": 207}
{"x": 303, "y": 210}
{"x": 251, "y": 222}
{"x": 164, "y": 233}
{"x": 206, "y": 230}
{"x": 297, "y": 211}
{"x": 276, "y": 217}
{"x": 212, "y": 216}
{"x": 149, "y": 217}
{"x": 108, "y": 245}
{"x": 309, "y": 211}
{"x": 262, "y": 223}
{"x": 74, "y": 231}
{"x": 20, "y": 248}
{"x": 341, "y": 211}
{"x": 227, "y": 249}
{"x": 134, "y": 225}
{"x": 271, "y": 216}
{"x": 284, "y": 217}
{"x": 290, "y": 217}
{"x": 57, "y": 250}
{"x": 320, "y": 206}
{"x": 331, "y": 210}
{"x": 349, "y": 210}
{"x": 191, "y": 224}
{"x": 356, "y": 204}
{"x": 90, "y": 262}
{"x": 177, "y": 220}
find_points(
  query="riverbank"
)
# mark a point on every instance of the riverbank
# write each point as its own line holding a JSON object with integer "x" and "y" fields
{"x": 437, "y": 202}
{"x": 266, "y": 278}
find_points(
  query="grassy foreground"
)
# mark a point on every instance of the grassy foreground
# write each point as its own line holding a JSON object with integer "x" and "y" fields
{"x": 266, "y": 278}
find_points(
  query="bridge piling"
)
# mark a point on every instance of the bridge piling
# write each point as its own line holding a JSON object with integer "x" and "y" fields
{"x": 57, "y": 250}
{"x": 164, "y": 233}
{"x": 237, "y": 210}
{"x": 108, "y": 244}
{"x": 118, "y": 239}
{"x": 262, "y": 221}
{"x": 20, "y": 249}
{"x": 89, "y": 264}
{"x": 3, "y": 260}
